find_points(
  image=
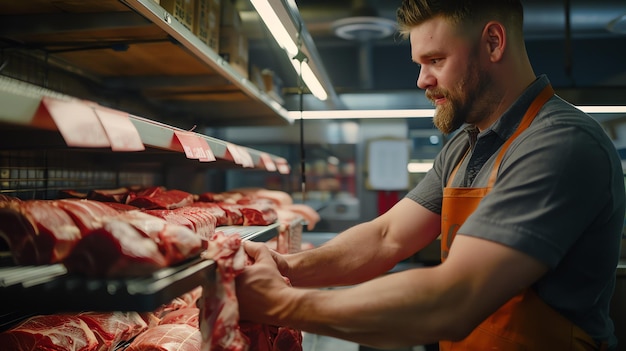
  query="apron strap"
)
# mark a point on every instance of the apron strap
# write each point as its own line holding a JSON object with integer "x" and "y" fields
{"x": 528, "y": 118}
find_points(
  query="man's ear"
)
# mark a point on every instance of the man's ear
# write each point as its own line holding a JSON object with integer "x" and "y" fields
{"x": 494, "y": 34}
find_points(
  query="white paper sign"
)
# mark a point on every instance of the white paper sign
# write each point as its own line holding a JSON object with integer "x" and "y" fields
{"x": 387, "y": 162}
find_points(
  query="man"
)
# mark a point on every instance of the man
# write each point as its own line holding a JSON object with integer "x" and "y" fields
{"x": 528, "y": 199}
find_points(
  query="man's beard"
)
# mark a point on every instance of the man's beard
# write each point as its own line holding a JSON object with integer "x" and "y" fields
{"x": 464, "y": 104}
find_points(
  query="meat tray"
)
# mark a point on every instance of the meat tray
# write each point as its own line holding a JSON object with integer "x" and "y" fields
{"x": 51, "y": 289}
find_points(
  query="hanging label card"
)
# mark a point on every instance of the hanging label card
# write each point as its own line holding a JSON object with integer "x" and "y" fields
{"x": 267, "y": 162}
{"x": 233, "y": 151}
{"x": 209, "y": 156}
{"x": 246, "y": 157}
{"x": 283, "y": 166}
{"x": 194, "y": 146}
{"x": 77, "y": 122}
{"x": 121, "y": 132}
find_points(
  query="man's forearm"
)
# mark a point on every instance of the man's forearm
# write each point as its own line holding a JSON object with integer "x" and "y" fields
{"x": 402, "y": 314}
{"x": 353, "y": 256}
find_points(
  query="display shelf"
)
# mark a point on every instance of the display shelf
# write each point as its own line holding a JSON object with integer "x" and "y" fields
{"x": 51, "y": 289}
{"x": 159, "y": 16}
{"x": 24, "y": 107}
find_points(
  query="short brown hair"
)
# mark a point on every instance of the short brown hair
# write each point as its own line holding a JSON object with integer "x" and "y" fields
{"x": 461, "y": 12}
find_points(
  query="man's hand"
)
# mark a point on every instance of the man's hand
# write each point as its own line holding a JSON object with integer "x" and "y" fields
{"x": 260, "y": 285}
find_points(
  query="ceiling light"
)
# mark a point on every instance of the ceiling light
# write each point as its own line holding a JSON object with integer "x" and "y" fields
{"x": 411, "y": 113}
{"x": 419, "y": 167}
{"x": 277, "y": 27}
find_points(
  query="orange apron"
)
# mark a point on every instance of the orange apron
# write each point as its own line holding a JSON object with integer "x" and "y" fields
{"x": 525, "y": 322}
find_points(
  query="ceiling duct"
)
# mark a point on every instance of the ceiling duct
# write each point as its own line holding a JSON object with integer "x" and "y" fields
{"x": 364, "y": 26}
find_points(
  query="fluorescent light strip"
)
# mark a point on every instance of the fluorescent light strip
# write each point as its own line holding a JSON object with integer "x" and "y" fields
{"x": 419, "y": 167}
{"x": 275, "y": 26}
{"x": 310, "y": 80}
{"x": 360, "y": 114}
{"x": 284, "y": 40}
{"x": 603, "y": 109}
{"x": 414, "y": 113}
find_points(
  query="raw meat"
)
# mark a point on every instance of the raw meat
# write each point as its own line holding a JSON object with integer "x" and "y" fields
{"x": 87, "y": 214}
{"x": 109, "y": 195}
{"x": 310, "y": 215}
{"x": 233, "y": 212}
{"x": 176, "y": 242}
{"x": 169, "y": 199}
{"x": 215, "y": 209}
{"x": 219, "y": 316}
{"x": 111, "y": 328}
{"x": 287, "y": 339}
{"x": 187, "y": 315}
{"x": 50, "y": 333}
{"x": 258, "y": 214}
{"x": 116, "y": 249}
{"x": 280, "y": 198}
{"x": 172, "y": 217}
{"x": 120, "y": 207}
{"x": 203, "y": 220}
{"x": 168, "y": 337}
{"x": 37, "y": 232}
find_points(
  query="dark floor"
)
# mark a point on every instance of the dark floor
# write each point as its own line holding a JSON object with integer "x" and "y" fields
{"x": 312, "y": 342}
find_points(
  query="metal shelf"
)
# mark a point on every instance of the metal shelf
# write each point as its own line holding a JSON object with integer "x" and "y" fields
{"x": 22, "y": 106}
{"x": 50, "y": 289}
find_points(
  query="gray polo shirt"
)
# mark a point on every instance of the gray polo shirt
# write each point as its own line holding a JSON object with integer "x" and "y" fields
{"x": 559, "y": 197}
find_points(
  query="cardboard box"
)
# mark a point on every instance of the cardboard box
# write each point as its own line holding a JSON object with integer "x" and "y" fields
{"x": 230, "y": 15}
{"x": 181, "y": 10}
{"x": 273, "y": 85}
{"x": 234, "y": 48}
{"x": 207, "y": 25}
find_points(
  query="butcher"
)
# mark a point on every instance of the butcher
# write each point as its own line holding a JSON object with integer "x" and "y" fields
{"x": 527, "y": 198}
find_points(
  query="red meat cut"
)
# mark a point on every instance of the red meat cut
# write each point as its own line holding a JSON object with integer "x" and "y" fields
{"x": 109, "y": 195}
{"x": 86, "y": 214}
{"x": 258, "y": 214}
{"x": 37, "y": 232}
{"x": 111, "y": 328}
{"x": 168, "y": 337}
{"x": 116, "y": 249}
{"x": 215, "y": 209}
{"x": 219, "y": 309}
{"x": 168, "y": 200}
{"x": 50, "y": 333}
{"x": 233, "y": 212}
{"x": 176, "y": 242}
{"x": 187, "y": 315}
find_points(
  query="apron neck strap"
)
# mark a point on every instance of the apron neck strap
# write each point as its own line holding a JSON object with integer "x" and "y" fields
{"x": 529, "y": 116}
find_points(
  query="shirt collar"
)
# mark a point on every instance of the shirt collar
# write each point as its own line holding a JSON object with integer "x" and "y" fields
{"x": 506, "y": 125}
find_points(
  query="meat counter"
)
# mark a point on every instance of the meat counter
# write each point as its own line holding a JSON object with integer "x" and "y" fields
{"x": 37, "y": 161}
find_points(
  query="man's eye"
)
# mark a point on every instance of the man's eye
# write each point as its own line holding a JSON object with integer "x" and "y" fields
{"x": 434, "y": 61}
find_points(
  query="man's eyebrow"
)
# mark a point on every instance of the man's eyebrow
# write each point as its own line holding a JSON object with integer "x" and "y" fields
{"x": 426, "y": 56}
